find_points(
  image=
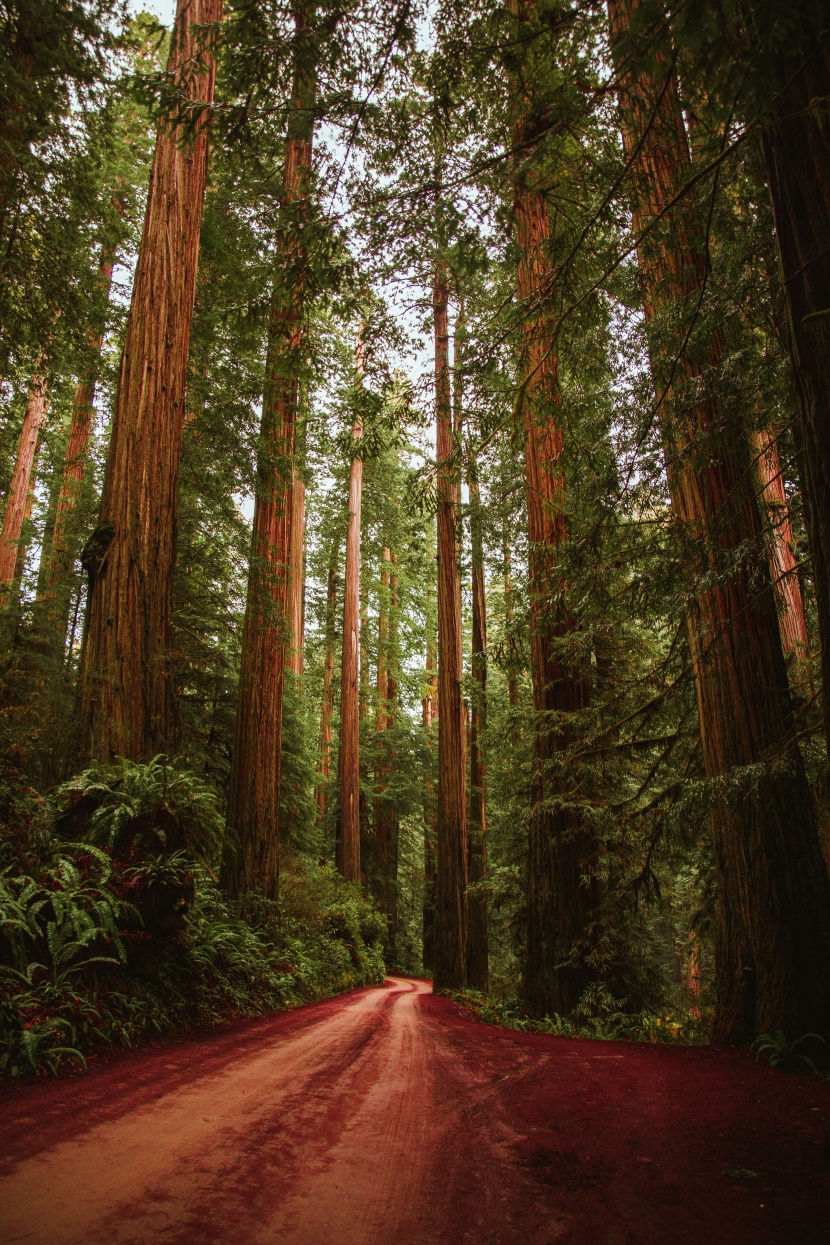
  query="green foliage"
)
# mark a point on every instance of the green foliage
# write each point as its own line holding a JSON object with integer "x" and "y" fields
{"x": 789, "y": 1053}
{"x": 598, "y": 1016}
{"x": 110, "y": 945}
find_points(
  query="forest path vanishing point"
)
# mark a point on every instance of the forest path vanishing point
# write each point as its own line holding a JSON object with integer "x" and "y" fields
{"x": 386, "y": 1116}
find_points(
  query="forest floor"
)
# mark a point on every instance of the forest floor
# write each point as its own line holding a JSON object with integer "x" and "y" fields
{"x": 386, "y": 1115}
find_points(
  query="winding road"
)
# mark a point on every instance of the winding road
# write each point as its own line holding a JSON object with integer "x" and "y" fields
{"x": 386, "y": 1116}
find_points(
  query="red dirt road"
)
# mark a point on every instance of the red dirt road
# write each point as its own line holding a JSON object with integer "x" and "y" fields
{"x": 385, "y": 1116}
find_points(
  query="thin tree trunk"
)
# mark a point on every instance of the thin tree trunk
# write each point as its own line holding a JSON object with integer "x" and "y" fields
{"x": 781, "y": 543}
{"x": 327, "y": 704}
{"x": 477, "y": 939}
{"x": 429, "y": 707}
{"x": 253, "y": 808}
{"x": 773, "y": 937}
{"x": 14, "y": 515}
{"x": 390, "y": 899}
{"x": 450, "y": 969}
{"x": 127, "y": 704}
{"x": 348, "y": 841}
{"x": 512, "y": 679}
{"x": 797, "y": 157}
{"x": 296, "y": 586}
{"x": 560, "y": 903}
{"x": 65, "y": 545}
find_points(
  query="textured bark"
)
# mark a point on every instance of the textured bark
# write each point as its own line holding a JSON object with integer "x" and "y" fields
{"x": 348, "y": 838}
{"x": 781, "y": 543}
{"x": 127, "y": 704}
{"x": 449, "y": 968}
{"x": 65, "y": 544}
{"x": 385, "y": 838}
{"x": 559, "y": 902}
{"x": 798, "y": 171}
{"x": 253, "y": 807}
{"x": 296, "y": 562}
{"x": 16, "y": 128}
{"x": 477, "y": 940}
{"x": 773, "y": 938}
{"x": 20, "y": 488}
{"x": 512, "y": 680}
{"x": 327, "y": 704}
{"x": 429, "y": 707}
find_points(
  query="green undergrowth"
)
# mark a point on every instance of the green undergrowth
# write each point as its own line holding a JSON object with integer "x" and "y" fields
{"x": 121, "y": 933}
{"x": 599, "y": 1016}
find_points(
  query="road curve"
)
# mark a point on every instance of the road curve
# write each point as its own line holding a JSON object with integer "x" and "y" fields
{"x": 386, "y": 1117}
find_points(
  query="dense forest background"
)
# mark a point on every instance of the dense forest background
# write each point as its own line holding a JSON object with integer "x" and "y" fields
{"x": 416, "y": 542}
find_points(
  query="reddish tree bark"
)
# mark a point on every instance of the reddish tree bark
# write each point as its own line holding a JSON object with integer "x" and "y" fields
{"x": 449, "y": 968}
{"x": 429, "y": 707}
{"x": 797, "y": 157}
{"x": 327, "y": 704}
{"x": 127, "y": 705}
{"x": 559, "y": 902}
{"x": 477, "y": 939}
{"x": 296, "y": 585}
{"x": 781, "y": 542}
{"x": 348, "y": 839}
{"x": 20, "y": 487}
{"x": 773, "y": 938}
{"x": 253, "y": 807}
{"x": 65, "y": 547}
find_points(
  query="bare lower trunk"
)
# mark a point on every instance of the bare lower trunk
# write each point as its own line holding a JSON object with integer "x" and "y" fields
{"x": 14, "y": 514}
{"x": 449, "y": 970}
{"x": 327, "y": 704}
{"x": 477, "y": 939}
{"x": 430, "y": 714}
{"x": 348, "y": 840}
{"x": 296, "y": 573}
{"x": 781, "y": 543}
{"x": 773, "y": 937}
{"x": 252, "y": 863}
{"x": 127, "y": 704}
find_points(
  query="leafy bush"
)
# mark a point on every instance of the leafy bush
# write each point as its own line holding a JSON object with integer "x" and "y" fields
{"x": 109, "y": 941}
{"x": 607, "y": 1023}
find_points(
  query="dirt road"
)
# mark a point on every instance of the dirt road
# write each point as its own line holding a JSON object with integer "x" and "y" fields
{"x": 385, "y": 1116}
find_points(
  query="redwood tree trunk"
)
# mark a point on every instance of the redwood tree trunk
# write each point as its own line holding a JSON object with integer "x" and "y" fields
{"x": 253, "y": 808}
{"x": 781, "y": 543}
{"x": 477, "y": 940}
{"x": 15, "y": 514}
{"x": 773, "y": 938}
{"x": 798, "y": 171}
{"x": 450, "y": 967}
{"x": 348, "y": 839}
{"x": 327, "y": 704}
{"x": 127, "y": 705}
{"x": 65, "y": 546}
{"x": 560, "y": 852}
{"x": 430, "y": 714}
{"x": 296, "y": 585}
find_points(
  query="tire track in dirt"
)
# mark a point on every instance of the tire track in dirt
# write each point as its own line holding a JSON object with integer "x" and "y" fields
{"x": 386, "y": 1117}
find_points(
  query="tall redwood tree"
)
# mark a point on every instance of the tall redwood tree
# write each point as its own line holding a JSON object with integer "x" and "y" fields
{"x": 449, "y": 962}
{"x": 795, "y": 44}
{"x": 773, "y": 935}
{"x": 252, "y": 863}
{"x": 127, "y": 705}
{"x": 560, "y": 902}
{"x": 348, "y": 835}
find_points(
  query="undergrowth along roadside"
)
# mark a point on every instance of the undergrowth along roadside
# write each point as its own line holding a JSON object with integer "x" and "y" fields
{"x": 121, "y": 933}
{"x": 599, "y": 1016}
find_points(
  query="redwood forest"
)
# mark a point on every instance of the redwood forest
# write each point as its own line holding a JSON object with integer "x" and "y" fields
{"x": 415, "y": 617}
